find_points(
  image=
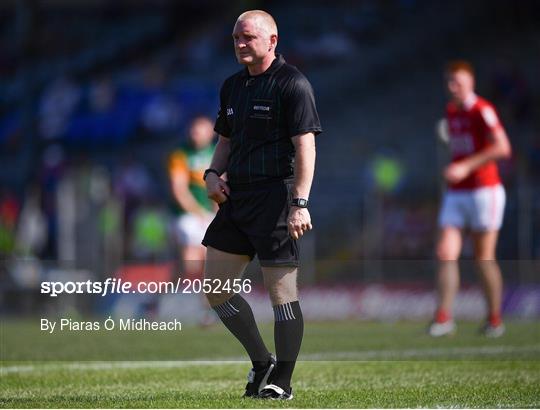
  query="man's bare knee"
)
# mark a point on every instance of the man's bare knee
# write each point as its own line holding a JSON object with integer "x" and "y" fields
{"x": 221, "y": 267}
{"x": 215, "y": 299}
{"x": 485, "y": 244}
{"x": 446, "y": 252}
{"x": 484, "y": 257}
{"x": 449, "y": 244}
{"x": 281, "y": 284}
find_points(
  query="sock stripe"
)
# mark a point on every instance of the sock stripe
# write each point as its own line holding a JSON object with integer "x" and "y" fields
{"x": 226, "y": 309}
{"x": 230, "y": 308}
{"x": 219, "y": 310}
{"x": 290, "y": 311}
{"x": 283, "y": 312}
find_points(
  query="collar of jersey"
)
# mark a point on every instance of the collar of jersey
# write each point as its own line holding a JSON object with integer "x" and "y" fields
{"x": 470, "y": 101}
{"x": 276, "y": 65}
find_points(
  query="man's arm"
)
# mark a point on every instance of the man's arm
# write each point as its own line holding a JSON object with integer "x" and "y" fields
{"x": 216, "y": 187}
{"x": 441, "y": 129}
{"x": 299, "y": 219}
{"x": 220, "y": 158}
{"x": 499, "y": 148}
{"x": 182, "y": 194}
{"x": 304, "y": 164}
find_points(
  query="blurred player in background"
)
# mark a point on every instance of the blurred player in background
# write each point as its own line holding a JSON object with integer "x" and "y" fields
{"x": 186, "y": 171}
{"x": 474, "y": 199}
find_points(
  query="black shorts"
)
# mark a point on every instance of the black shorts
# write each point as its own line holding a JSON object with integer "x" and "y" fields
{"x": 253, "y": 221}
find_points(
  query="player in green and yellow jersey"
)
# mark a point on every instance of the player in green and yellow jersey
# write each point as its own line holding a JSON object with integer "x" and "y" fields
{"x": 186, "y": 168}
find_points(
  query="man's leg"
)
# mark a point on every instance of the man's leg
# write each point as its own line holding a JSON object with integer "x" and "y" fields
{"x": 190, "y": 232}
{"x": 232, "y": 309}
{"x": 485, "y": 244}
{"x": 193, "y": 257}
{"x": 289, "y": 323}
{"x": 448, "y": 250}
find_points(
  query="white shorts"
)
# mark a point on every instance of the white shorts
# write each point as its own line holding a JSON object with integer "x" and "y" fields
{"x": 190, "y": 228}
{"x": 479, "y": 209}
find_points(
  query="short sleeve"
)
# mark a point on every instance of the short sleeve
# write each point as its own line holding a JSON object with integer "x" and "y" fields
{"x": 178, "y": 163}
{"x": 490, "y": 118}
{"x": 222, "y": 126}
{"x": 300, "y": 109}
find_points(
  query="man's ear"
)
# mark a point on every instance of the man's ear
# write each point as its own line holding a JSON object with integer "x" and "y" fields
{"x": 273, "y": 42}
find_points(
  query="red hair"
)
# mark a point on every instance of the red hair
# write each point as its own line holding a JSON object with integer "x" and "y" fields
{"x": 459, "y": 65}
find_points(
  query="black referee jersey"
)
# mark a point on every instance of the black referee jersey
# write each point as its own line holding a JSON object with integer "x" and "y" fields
{"x": 260, "y": 114}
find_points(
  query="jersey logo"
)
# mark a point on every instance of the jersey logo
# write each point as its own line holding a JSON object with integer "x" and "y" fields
{"x": 229, "y": 111}
{"x": 490, "y": 118}
{"x": 461, "y": 144}
{"x": 261, "y": 109}
{"x": 459, "y": 125}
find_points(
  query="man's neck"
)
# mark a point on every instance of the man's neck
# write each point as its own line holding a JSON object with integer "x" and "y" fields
{"x": 257, "y": 69}
{"x": 468, "y": 102}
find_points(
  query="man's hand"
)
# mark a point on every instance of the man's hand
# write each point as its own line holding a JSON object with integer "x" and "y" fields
{"x": 299, "y": 221}
{"x": 456, "y": 172}
{"x": 216, "y": 188}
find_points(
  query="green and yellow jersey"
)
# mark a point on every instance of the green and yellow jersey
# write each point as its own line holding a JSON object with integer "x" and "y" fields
{"x": 192, "y": 163}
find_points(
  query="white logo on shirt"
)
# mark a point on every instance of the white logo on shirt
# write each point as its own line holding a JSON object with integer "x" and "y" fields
{"x": 230, "y": 111}
{"x": 489, "y": 116}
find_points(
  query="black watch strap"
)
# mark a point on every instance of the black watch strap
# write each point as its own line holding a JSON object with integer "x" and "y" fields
{"x": 210, "y": 171}
{"x": 300, "y": 202}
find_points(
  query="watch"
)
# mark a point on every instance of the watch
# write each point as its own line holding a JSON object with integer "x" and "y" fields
{"x": 210, "y": 171}
{"x": 300, "y": 202}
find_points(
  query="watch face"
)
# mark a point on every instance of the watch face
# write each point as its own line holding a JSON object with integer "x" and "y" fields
{"x": 302, "y": 202}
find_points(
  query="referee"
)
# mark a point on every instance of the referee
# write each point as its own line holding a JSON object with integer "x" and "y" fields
{"x": 267, "y": 124}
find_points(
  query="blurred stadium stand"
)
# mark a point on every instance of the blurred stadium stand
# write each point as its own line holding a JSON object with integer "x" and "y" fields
{"x": 94, "y": 94}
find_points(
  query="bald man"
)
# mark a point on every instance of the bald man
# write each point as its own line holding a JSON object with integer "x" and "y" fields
{"x": 266, "y": 124}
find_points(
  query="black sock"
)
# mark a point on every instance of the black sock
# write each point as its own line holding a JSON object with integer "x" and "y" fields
{"x": 237, "y": 316}
{"x": 288, "y": 332}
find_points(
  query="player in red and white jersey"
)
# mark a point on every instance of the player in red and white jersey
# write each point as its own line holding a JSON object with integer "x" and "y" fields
{"x": 474, "y": 199}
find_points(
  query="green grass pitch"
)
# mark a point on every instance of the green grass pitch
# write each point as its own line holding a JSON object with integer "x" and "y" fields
{"x": 343, "y": 365}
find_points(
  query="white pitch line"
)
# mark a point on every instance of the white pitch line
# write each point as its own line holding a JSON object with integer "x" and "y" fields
{"x": 125, "y": 364}
{"x": 429, "y": 352}
{"x": 329, "y": 356}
